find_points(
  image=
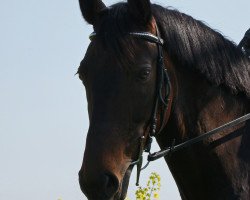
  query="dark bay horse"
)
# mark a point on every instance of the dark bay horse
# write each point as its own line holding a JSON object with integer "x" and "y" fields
{"x": 210, "y": 86}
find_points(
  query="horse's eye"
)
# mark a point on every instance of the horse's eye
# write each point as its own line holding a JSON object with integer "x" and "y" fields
{"x": 144, "y": 74}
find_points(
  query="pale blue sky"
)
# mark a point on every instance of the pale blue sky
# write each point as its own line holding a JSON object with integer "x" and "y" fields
{"x": 43, "y": 117}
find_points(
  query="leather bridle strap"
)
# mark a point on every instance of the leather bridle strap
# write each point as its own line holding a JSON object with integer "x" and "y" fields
{"x": 169, "y": 150}
{"x": 149, "y": 37}
{"x": 162, "y": 82}
{"x": 142, "y": 35}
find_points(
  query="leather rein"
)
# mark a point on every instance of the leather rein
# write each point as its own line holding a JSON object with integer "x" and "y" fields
{"x": 162, "y": 99}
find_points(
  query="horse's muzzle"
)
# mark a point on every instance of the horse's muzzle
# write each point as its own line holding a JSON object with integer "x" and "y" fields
{"x": 100, "y": 187}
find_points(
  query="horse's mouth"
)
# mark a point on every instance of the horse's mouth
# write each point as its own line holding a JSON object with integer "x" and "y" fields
{"x": 121, "y": 194}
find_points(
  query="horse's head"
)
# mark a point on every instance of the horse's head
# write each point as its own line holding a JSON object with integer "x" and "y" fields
{"x": 119, "y": 73}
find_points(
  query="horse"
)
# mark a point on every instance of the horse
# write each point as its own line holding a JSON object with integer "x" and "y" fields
{"x": 154, "y": 71}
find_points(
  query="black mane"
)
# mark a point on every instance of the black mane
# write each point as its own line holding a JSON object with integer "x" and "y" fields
{"x": 189, "y": 43}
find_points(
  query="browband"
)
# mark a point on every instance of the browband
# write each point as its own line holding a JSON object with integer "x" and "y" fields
{"x": 143, "y": 35}
{"x": 148, "y": 36}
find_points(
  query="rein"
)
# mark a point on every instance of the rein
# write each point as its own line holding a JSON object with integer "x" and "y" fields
{"x": 163, "y": 83}
{"x": 174, "y": 148}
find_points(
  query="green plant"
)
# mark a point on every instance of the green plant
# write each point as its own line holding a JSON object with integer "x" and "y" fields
{"x": 151, "y": 191}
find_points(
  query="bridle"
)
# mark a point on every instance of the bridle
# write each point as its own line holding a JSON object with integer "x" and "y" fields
{"x": 162, "y": 98}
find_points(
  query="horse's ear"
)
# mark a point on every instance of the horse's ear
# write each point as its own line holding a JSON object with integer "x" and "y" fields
{"x": 90, "y": 9}
{"x": 140, "y": 10}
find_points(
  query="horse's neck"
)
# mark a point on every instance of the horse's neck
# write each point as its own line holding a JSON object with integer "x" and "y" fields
{"x": 212, "y": 169}
{"x": 201, "y": 106}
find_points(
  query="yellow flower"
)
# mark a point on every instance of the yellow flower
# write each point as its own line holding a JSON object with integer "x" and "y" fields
{"x": 156, "y": 195}
{"x": 151, "y": 190}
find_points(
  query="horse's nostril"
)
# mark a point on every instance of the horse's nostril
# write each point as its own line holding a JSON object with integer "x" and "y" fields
{"x": 111, "y": 184}
{"x": 104, "y": 186}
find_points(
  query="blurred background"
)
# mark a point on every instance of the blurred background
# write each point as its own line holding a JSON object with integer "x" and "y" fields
{"x": 43, "y": 109}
